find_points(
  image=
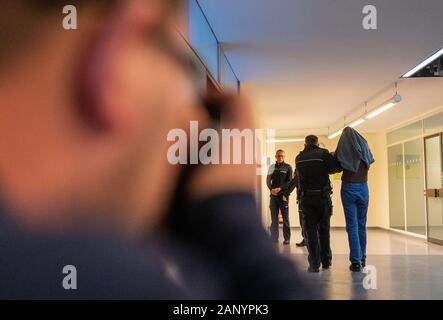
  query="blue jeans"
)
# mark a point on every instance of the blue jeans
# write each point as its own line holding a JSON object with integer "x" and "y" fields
{"x": 355, "y": 199}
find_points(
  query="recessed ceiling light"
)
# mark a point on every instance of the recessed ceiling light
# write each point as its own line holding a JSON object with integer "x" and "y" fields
{"x": 423, "y": 64}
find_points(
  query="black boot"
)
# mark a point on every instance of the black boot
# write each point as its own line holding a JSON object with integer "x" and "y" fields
{"x": 313, "y": 270}
{"x": 301, "y": 244}
{"x": 326, "y": 266}
{"x": 355, "y": 267}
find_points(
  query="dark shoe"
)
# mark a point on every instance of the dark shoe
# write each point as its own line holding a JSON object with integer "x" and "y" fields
{"x": 363, "y": 263}
{"x": 301, "y": 244}
{"x": 327, "y": 266}
{"x": 286, "y": 242}
{"x": 313, "y": 270}
{"x": 355, "y": 267}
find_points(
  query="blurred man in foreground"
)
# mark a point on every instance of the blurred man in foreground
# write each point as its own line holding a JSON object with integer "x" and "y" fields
{"x": 84, "y": 178}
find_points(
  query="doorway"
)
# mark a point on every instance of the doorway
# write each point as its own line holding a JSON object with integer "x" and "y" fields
{"x": 434, "y": 187}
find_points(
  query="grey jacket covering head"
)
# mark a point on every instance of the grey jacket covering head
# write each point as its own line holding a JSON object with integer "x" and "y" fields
{"x": 352, "y": 149}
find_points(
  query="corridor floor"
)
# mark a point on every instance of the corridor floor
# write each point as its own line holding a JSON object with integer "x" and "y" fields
{"x": 406, "y": 267}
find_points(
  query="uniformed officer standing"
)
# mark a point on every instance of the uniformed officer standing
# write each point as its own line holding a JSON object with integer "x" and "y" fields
{"x": 313, "y": 165}
{"x": 278, "y": 180}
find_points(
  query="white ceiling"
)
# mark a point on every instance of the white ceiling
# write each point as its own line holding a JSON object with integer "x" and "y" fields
{"x": 308, "y": 63}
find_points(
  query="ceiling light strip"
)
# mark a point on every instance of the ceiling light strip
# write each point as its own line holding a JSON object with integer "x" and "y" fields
{"x": 285, "y": 140}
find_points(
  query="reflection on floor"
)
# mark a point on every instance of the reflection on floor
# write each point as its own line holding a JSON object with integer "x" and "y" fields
{"x": 406, "y": 267}
{"x": 436, "y": 232}
{"x": 415, "y": 229}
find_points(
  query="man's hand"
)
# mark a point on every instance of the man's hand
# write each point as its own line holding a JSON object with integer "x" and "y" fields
{"x": 213, "y": 179}
{"x": 275, "y": 191}
{"x": 285, "y": 199}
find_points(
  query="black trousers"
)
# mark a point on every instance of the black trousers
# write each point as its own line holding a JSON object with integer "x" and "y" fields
{"x": 275, "y": 204}
{"x": 301, "y": 219}
{"x": 317, "y": 211}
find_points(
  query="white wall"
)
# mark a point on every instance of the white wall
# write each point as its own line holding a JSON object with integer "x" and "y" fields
{"x": 378, "y": 215}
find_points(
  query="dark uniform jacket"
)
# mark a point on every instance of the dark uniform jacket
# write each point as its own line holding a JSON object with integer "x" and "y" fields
{"x": 314, "y": 165}
{"x": 280, "y": 176}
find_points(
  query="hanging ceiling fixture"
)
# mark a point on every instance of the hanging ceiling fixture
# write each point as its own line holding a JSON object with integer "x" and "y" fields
{"x": 389, "y": 104}
{"x": 356, "y": 123}
{"x": 384, "y": 107}
{"x": 338, "y": 133}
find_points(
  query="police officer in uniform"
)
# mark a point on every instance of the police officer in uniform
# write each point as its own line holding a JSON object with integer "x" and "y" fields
{"x": 278, "y": 182}
{"x": 313, "y": 165}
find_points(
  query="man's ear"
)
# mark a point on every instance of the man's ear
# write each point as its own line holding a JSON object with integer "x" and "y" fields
{"x": 98, "y": 102}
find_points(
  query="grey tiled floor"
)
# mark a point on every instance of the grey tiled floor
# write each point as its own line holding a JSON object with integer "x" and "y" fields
{"x": 406, "y": 267}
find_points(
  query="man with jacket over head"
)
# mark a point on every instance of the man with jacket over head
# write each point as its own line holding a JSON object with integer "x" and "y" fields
{"x": 355, "y": 157}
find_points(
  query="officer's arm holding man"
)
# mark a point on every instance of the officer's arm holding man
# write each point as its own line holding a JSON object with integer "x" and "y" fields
{"x": 331, "y": 162}
{"x": 293, "y": 183}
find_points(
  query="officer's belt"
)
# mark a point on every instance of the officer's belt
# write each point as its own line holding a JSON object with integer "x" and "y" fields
{"x": 313, "y": 193}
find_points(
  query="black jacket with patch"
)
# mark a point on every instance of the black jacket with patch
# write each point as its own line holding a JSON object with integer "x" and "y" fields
{"x": 279, "y": 176}
{"x": 314, "y": 165}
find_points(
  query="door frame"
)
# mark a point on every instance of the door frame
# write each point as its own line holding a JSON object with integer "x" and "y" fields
{"x": 440, "y": 135}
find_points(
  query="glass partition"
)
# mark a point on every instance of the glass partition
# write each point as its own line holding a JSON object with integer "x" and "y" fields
{"x": 433, "y": 124}
{"x": 203, "y": 39}
{"x": 413, "y": 130}
{"x": 434, "y": 187}
{"x": 229, "y": 79}
{"x": 415, "y": 178}
{"x": 396, "y": 187}
{"x": 414, "y": 186}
